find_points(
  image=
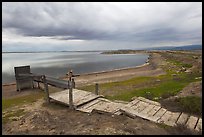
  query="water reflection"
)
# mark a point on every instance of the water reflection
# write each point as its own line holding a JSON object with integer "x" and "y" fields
{"x": 58, "y": 63}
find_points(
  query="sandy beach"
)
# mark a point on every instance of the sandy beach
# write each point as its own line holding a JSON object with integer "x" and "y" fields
{"x": 151, "y": 68}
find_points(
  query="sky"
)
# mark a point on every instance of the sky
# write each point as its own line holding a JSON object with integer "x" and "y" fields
{"x": 71, "y": 26}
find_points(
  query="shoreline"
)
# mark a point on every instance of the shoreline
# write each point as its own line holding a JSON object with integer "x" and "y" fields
{"x": 95, "y": 73}
{"x": 105, "y": 72}
{"x": 113, "y": 70}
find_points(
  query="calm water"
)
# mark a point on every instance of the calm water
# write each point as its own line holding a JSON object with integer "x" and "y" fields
{"x": 57, "y": 64}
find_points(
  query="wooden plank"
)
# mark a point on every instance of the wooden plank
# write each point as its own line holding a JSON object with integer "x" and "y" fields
{"x": 147, "y": 109}
{"x": 172, "y": 120}
{"x": 85, "y": 97}
{"x": 182, "y": 119}
{"x": 85, "y": 106}
{"x": 157, "y": 115}
{"x": 109, "y": 107}
{"x": 199, "y": 125}
{"x": 99, "y": 106}
{"x": 118, "y": 113}
{"x": 79, "y": 97}
{"x": 62, "y": 96}
{"x": 164, "y": 118}
{"x": 128, "y": 111}
{"x": 140, "y": 106}
{"x": 149, "y": 101}
{"x": 88, "y": 107}
{"x": 153, "y": 110}
{"x": 115, "y": 106}
{"x": 134, "y": 102}
{"x": 191, "y": 123}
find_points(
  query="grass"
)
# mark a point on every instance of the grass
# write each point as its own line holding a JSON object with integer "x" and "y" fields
{"x": 180, "y": 64}
{"x": 154, "y": 93}
{"x": 125, "y": 90}
{"x": 121, "y": 86}
{"x": 12, "y": 115}
{"x": 169, "y": 85}
{"x": 191, "y": 104}
{"x": 8, "y": 103}
{"x": 11, "y": 102}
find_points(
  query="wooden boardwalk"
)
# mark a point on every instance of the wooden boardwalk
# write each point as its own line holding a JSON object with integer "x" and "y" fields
{"x": 153, "y": 111}
{"x": 140, "y": 107}
{"x": 80, "y": 97}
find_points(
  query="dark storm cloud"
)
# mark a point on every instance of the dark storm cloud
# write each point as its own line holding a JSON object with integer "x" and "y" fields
{"x": 138, "y": 22}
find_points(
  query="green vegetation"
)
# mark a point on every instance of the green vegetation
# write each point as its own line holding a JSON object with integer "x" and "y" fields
{"x": 191, "y": 104}
{"x": 12, "y": 115}
{"x": 154, "y": 93}
{"x": 11, "y": 102}
{"x": 147, "y": 87}
{"x": 7, "y": 103}
{"x": 157, "y": 87}
{"x": 121, "y": 86}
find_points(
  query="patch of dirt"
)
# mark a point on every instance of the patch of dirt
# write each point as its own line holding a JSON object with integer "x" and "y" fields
{"x": 9, "y": 91}
{"x": 193, "y": 89}
{"x": 55, "y": 119}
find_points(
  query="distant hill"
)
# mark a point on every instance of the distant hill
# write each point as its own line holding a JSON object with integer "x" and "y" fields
{"x": 187, "y": 47}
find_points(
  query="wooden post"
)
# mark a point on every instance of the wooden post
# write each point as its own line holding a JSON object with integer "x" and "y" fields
{"x": 46, "y": 88}
{"x": 70, "y": 86}
{"x": 73, "y": 83}
{"x": 71, "y": 106}
{"x": 96, "y": 89}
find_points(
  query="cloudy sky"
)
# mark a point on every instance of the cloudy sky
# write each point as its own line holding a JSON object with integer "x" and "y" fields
{"x": 99, "y": 26}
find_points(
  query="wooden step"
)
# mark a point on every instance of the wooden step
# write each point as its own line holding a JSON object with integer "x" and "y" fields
{"x": 191, "y": 123}
{"x": 80, "y": 97}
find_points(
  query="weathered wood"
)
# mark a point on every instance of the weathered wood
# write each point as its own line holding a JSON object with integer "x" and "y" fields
{"x": 46, "y": 89}
{"x": 199, "y": 125}
{"x": 128, "y": 111}
{"x": 149, "y": 101}
{"x": 73, "y": 83}
{"x": 78, "y": 96}
{"x": 71, "y": 104}
{"x": 140, "y": 106}
{"x": 22, "y": 78}
{"x": 87, "y": 99}
{"x": 110, "y": 107}
{"x": 153, "y": 110}
{"x": 164, "y": 118}
{"x": 134, "y": 102}
{"x": 87, "y": 107}
{"x": 157, "y": 115}
{"x": 172, "y": 120}
{"x": 57, "y": 83}
{"x": 147, "y": 109}
{"x": 191, "y": 123}
{"x": 182, "y": 119}
{"x": 101, "y": 105}
{"x": 96, "y": 89}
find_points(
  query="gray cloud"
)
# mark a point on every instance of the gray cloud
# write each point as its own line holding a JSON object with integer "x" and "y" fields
{"x": 133, "y": 22}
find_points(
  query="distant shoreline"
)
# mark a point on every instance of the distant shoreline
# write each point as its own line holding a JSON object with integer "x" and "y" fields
{"x": 50, "y": 51}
